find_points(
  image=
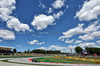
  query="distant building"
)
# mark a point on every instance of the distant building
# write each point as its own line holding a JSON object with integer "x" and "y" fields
{"x": 84, "y": 52}
{"x": 6, "y": 50}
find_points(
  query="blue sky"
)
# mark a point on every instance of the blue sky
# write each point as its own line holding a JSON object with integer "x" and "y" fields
{"x": 49, "y": 25}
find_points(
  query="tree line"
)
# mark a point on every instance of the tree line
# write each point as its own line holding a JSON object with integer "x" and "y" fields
{"x": 78, "y": 50}
{"x": 43, "y": 51}
{"x": 40, "y": 51}
{"x": 90, "y": 50}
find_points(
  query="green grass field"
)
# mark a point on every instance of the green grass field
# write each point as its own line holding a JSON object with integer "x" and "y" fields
{"x": 62, "y": 60}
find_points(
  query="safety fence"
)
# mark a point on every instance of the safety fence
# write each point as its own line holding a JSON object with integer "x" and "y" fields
{"x": 18, "y": 57}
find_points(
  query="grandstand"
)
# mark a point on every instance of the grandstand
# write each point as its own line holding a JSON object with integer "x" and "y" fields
{"x": 6, "y": 51}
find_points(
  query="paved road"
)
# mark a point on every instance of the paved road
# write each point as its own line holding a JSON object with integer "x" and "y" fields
{"x": 12, "y": 64}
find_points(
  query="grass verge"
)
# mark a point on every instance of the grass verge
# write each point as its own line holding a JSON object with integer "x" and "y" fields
{"x": 63, "y": 60}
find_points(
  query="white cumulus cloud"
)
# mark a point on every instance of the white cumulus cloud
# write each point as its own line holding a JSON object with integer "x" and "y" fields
{"x": 67, "y": 6}
{"x": 77, "y": 41}
{"x": 93, "y": 27}
{"x": 35, "y": 42}
{"x": 57, "y": 16}
{"x": 18, "y": 45}
{"x": 0, "y": 40}
{"x": 44, "y": 48}
{"x": 41, "y": 42}
{"x": 69, "y": 41}
{"x": 90, "y": 36}
{"x": 6, "y": 8}
{"x": 17, "y": 25}
{"x": 7, "y": 35}
{"x": 50, "y": 10}
{"x": 90, "y": 10}
{"x": 98, "y": 42}
{"x": 83, "y": 45}
{"x": 57, "y": 47}
{"x": 58, "y": 4}
{"x": 42, "y": 5}
{"x": 88, "y": 33}
{"x": 71, "y": 32}
{"x": 41, "y": 21}
{"x": 70, "y": 47}
{"x": 86, "y": 37}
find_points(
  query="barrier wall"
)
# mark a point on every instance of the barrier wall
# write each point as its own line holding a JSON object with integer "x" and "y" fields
{"x": 95, "y": 60}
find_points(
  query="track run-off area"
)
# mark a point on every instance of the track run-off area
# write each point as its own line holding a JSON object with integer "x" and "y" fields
{"x": 28, "y": 62}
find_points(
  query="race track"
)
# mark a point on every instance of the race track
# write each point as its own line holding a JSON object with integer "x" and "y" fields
{"x": 26, "y": 62}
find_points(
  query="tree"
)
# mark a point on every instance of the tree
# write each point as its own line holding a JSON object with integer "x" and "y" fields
{"x": 78, "y": 50}
{"x": 93, "y": 50}
{"x": 14, "y": 50}
{"x": 25, "y": 51}
{"x": 28, "y": 51}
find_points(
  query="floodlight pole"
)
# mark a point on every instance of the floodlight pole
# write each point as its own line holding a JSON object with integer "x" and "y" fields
{"x": 71, "y": 50}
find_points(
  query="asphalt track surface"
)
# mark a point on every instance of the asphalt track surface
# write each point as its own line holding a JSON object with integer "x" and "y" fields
{"x": 12, "y": 64}
{"x": 26, "y": 62}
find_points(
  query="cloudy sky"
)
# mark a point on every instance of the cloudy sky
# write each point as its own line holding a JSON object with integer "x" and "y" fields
{"x": 49, "y": 25}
